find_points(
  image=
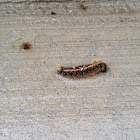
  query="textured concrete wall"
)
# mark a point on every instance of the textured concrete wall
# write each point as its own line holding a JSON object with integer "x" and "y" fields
{"x": 36, "y": 103}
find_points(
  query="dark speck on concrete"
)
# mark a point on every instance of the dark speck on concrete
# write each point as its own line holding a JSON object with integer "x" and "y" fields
{"x": 26, "y": 46}
{"x": 52, "y": 13}
{"x": 83, "y": 7}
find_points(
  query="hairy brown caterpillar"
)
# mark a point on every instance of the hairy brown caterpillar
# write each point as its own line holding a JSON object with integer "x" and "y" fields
{"x": 83, "y": 70}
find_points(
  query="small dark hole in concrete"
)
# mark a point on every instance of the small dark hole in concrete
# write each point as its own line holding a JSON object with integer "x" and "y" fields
{"x": 26, "y": 46}
{"x": 82, "y": 7}
{"x": 52, "y": 13}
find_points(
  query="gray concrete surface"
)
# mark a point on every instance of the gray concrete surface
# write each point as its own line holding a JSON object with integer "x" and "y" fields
{"x": 36, "y": 103}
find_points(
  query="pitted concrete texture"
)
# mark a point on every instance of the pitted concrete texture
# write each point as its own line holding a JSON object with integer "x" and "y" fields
{"x": 38, "y": 104}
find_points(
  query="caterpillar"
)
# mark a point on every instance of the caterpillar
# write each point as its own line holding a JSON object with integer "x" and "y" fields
{"x": 83, "y": 70}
